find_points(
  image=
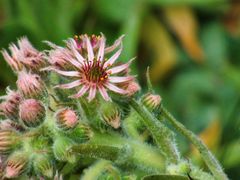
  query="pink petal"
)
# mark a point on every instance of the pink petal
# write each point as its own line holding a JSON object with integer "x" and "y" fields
{"x": 120, "y": 68}
{"x": 52, "y": 45}
{"x": 101, "y": 49}
{"x": 89, "y": 49}
{"x": 75, "y": 52}
{"x": 104, "y": 93}
{"x": 81, "y": 92}
{"x": 115, "y": 88}
{"x": 10, "y": 60}
{"x": 92, "y": 93}
{"x": 115, "y": 45}
{"x": 113, "y": 58}
{"x": 115, "y": 79}
{"x": 75, "y": 63}
{"x": 69, "y": 85}
{"x": 64, "y": 73}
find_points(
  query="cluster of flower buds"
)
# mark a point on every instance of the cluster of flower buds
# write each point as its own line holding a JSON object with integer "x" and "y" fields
{"x": 36, "y": 136}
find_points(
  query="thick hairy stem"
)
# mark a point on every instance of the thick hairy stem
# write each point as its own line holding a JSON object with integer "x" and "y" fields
{"x": 143, "y": 156}
{"x": 207, "y": 156}
{"x": 161, "y": 134}
{"x": 97, "y": 151}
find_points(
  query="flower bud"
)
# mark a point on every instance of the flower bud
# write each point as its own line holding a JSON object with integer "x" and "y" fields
{"x": 61, "y": 149}
{"x": 32, "y": 112}
{"x": 66, "y": 119}
{"x": 30, "y": 85}
{"x": 17, "y": 164}
{"x": 111, "y": 114}
{"x": 132, "y": 88}
{"x": 10, "y": 125}
{"x": 43, "y": 165}
{"x": 151, "y": 101}
{"x": 81, "y": 133}
{"x": 8, "y": 140}
{"x": 10, "y": 106}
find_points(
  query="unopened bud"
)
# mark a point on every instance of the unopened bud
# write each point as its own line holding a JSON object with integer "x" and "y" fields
{"x": 8, "y": 140}
{"x": 66, "y": 119}
{"x": 111, "y": 114}
{"x": 30, "y": 85}
{"x": 43, "y": 165}
{"x": 17, "y": 164}
{"x": 61, "y": 149}
{"x": 10, "y": 125}
{"x": 151, "y": 101}
{"x": 81, "y": 133}
{"x": 32, "y": 112}
{"x": 10, "y": 106}
{"x": 132, "y": 88}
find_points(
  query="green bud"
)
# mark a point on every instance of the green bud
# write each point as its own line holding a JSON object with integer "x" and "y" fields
{"x": 81, "y": 133}
{"x": 111, "y": 114}
{"x": 61, "y": 148}
{"x": 43, "y": 165}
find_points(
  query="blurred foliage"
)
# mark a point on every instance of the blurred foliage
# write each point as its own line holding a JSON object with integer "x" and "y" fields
{"x": 191, "y": 46}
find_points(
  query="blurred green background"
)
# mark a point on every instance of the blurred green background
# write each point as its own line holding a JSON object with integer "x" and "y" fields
{"x": 191, "y": 46}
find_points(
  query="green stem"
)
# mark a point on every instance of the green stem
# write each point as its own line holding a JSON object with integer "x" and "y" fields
{"x": 161, "y": 134}
{"x": 143, "y": 156}
{"x": 207, "y": 156}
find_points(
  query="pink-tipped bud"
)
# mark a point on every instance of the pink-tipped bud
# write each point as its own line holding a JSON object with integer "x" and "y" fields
{"x": 16, "y": 165}
{"x": 66, "y": 119}
{"x": 151, "y": 101}
{"x": 132, "y": 88}
{"x": 59, "y": 58}
{"x": 30, "y": 85}
{"x": 30, "y": 57}
{"x": 8, "y": 140}
{"x": 10, "y": 125}
{"x": 32, "y": 112}
{"x": 9, "y": 107}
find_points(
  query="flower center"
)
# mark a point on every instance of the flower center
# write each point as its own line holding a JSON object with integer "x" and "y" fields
{"x": 94, "y": 71}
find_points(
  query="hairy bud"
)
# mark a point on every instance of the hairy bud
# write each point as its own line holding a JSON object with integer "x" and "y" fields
{"x": 30, "y": 85}
{"x": 61, "y": 148}
{"x": 66, "y": 119}
{"x": 43, "y": 165}
{"x": 132, "y": 88}
{"x": 32, "y": 112}
{"x": 8, "y": 140}
{"x": 81, "y": 133}
{"x": 111, "y": 114}
{"x": 9, "y": 107}
{"x": 16, "y": 164}
{"x": 10, "y": 125}
{"x": 151, "y": 101}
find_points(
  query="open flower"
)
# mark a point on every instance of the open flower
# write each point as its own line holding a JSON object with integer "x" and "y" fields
{"x": 92, "y": 70}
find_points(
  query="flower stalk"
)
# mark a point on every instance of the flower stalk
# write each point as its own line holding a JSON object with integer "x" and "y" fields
{"x": 207, "y": 156}
{"x": 161, "y": 134}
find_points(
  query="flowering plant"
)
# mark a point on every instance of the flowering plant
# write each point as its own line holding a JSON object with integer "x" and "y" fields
{"x": 78, "y": 111}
